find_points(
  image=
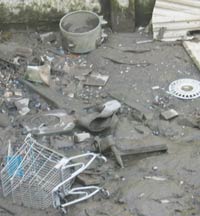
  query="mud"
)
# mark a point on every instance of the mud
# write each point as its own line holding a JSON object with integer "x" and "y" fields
{"x": 131, "y": 193}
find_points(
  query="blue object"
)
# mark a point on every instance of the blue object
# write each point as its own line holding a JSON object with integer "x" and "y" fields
{"x": 13, "y": 163}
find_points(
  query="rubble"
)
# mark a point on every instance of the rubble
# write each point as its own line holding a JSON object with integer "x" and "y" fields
{"x": 95, "y": 123}
{"x": 48, "y": 37}
{"x": 22, "y": 106}
{"x": 40, "y": 74}
{"x": 81, "y": 137}
{"x": 164, "y": 128}
{"x": 109, "y": 143}
{"x": 139, "y": 113}
{"x": 164, "y": 201}
{"x": 49, "y": 94}
{"x": 96, "y": 79}
{"x": 148, "y": 144}
{"x": 62, "y": 142}
{"x": 18, "y": 92}
{"x": 24, "y": 52}
{"x": 50, "y": 122}
{"x": 109, "y": 108}
{"x": 4, "y": 120}
{"x": 122, "y": 110}
{"x": 101, "y": 119}
{"x": 169, "y": 114}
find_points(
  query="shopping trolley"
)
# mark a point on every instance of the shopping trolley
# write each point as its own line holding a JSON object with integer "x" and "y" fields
{"x": 38, "y": 177}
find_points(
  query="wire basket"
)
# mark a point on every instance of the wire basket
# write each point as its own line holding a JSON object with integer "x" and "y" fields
{"x": 39, "y": 177}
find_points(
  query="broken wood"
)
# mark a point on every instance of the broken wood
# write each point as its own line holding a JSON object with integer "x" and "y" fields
{"x": 140, "y": 113}
{"x": 108, "y": 143}
{"x": 53, "y": 97}
{"x": 193, "y": 49}
{"x": 148, "y": 144}
{"x": 47, "y": 93}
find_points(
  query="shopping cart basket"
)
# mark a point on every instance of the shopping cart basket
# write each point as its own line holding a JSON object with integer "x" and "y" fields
{"x": 39, "y": 177}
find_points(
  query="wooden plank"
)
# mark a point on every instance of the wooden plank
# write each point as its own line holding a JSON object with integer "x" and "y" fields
{"x": 56, "y": 99}
{"x": 145, "y": 145}
{"x": 193, "y": 49}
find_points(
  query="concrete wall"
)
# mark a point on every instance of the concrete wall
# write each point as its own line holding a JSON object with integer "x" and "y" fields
{"x": 123, "y": 15}
{"x": 143, "y": 11}
{"x": 31, "y": 11}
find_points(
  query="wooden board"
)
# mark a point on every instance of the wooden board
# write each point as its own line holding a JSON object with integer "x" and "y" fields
{"x": 173, "y": 19}
{"x": 148, "y": 144}
{"x": 193, "y": 49}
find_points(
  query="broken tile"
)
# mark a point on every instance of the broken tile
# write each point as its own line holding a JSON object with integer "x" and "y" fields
{"x": 81, "y": 137}
{"x": 8, "y": 94}
{"x": 18, "y": 92}
{"x": 48, "y": 37}
{"x": 24, "y": 52}
{"x": 169, "y": 114}
{"x": 39, "y": 74}
{"x": 50, "y": 122}
{"x": 22, "y": 106}
{"x": 96, "y": 79}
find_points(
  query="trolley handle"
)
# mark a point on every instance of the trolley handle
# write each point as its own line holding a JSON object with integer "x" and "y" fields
{"x": 55, "y": 191}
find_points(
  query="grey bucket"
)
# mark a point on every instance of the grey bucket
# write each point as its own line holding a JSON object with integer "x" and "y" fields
{"x": 81, "y": 31}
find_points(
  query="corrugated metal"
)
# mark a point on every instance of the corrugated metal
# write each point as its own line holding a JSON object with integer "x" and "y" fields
{"x": 173, "y": 19}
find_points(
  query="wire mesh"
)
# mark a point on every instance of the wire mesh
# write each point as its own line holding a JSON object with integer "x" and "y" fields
{"x": 37, "y": 176}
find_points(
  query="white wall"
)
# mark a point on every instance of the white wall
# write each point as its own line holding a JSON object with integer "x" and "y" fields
{"x": 12, "y": 11}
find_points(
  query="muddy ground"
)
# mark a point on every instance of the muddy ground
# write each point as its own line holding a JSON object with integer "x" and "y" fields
{"x": 133, "y": 69}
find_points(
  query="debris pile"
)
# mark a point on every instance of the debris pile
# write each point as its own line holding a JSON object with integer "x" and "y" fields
{"x": 119, "y": 101}
{"x": 60, "y": 99}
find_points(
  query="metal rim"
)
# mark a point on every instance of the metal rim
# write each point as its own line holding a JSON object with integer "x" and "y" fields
{"x": 80, "y": 11}
{"x": 185, "y": 88}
